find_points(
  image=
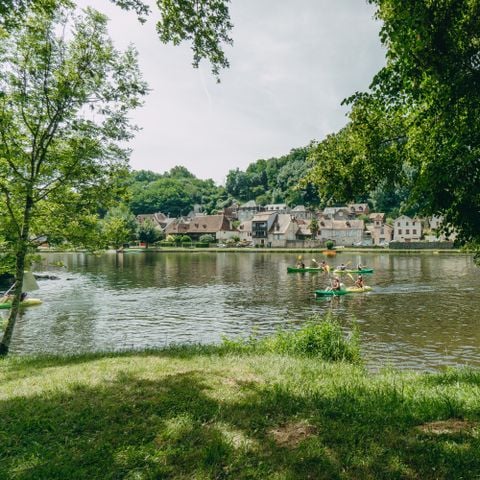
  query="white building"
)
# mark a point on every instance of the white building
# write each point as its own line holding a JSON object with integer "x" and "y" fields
{"x": 406, "y": 229}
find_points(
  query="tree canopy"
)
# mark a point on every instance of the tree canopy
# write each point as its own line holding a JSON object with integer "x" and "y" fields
{"x": 417, "y": 128}
{"x": 205, "y": 24}
{"x": 274, "y": 180}
{"x": 66, "y": 93}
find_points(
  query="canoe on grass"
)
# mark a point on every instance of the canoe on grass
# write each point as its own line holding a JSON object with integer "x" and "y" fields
{"x": 29, "y": 302}
{"x": 326, "y": 293}
{"x": 305, "y": 269}
{"x": 363, "y": 270}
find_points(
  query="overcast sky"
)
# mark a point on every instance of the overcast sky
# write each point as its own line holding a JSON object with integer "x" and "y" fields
{"x": 292, "y": 63}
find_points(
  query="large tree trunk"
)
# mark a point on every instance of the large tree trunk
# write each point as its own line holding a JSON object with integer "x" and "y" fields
{"x": 20, "y": 254}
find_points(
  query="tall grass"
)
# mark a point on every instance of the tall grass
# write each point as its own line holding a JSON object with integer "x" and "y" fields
{"x": 321, "y": 337}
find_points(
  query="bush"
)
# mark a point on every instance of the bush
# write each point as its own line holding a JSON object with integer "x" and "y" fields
{"x": 186, "y": 239}
{"x": 207, "y": 238}
{"x": 165, "y": 243}
{"x": 329, "y": 244}
{"x": 201, "y": 245}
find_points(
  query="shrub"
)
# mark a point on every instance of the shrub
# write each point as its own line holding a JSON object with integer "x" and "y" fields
{"x": 207, "y": 238}
{"x": 186, "y": 239}
{"x": 329, "y": 244}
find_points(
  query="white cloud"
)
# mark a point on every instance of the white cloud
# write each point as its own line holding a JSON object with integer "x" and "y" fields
{"x": 292, "y": 64}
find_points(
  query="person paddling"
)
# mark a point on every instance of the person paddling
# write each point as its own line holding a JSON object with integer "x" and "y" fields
{"x": 336, "y": 285}
{"x": 359, "y": 282}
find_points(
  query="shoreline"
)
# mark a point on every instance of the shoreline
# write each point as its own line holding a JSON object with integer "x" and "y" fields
{"x": 319, "y": 251}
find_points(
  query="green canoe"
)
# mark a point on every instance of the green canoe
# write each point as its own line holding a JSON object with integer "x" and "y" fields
{"x": 29, "y": 302}
{"x": 326, "y": 293}
{"x": 363, "y": 270}
{"x": 330, "y": 293}
{"x": 305, "y": 269}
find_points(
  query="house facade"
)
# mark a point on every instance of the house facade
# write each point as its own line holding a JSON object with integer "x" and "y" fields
{"x": 341, "y": 232}
{"x": 302, "y": 213}
{"x": 380, "y": 232}
{"x": 407, "y": 229}
{"x": 358, "y": 208}
{"x": 261, "y": 225}
{"x": 245, "y": 231}
{"x": 218, "y": 226}
{"x": 248, "y": 210}
{"x": 434, "y": 235}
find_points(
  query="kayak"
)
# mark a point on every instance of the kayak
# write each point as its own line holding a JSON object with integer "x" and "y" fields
{"x": 326, "y": 293}
{"x": 330, "y": 293}
{"x": 363, "y": 270}
{"x": 29, "y": 302}
{"x": 366, "y": 288}
{"x": 305, "y": 269}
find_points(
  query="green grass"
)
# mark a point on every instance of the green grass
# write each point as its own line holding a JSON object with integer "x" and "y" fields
{"x": 225, "y": 412}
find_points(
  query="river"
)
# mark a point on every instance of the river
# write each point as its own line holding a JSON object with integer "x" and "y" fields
{"x": 423, "y": 312}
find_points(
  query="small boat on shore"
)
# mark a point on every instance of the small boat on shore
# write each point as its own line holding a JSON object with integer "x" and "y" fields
{"x": 29, "y": 302}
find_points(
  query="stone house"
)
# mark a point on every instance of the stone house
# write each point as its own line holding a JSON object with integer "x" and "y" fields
{"x": 302, "y": 213}
{"x": 338, "y": 213}
{"x": 160, "y": 220}
{"x": 283, "y": 231}
{"x": 407, "y": 229}
{"x": 277, "y": 207}
{"x": 341, "y": 232}
{"x": 358, "y": 208}
{"x": 380, "y": 232}
{"x": 248, "y": 210}
{"x": 245, "y": 231}
{"x": 218, "y": 226}
{"x": 261, "y": 224}
{"x": 432, "y": 231}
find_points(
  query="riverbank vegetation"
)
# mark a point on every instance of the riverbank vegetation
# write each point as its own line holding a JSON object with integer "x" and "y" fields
{"x": 240, "y": 410}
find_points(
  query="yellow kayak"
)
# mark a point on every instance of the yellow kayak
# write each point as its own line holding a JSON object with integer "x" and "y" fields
{"x": 29, "y": 302}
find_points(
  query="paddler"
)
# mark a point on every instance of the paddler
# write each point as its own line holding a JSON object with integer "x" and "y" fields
{"x": 336, "y": 285}
{"x": 359, "y": 282}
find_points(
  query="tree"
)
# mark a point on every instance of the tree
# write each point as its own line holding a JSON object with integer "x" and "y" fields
{"x": 148, "y": 233}
{"x": 58, "y": 161}
{"x": 204, "y": 23}
{"x": 418, "y": 127}
{"x": 119, "y": 226}
{"x": 314, "y": 228}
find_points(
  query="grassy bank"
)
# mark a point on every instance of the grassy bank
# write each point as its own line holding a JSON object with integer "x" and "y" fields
{"x": 234, "y": 412}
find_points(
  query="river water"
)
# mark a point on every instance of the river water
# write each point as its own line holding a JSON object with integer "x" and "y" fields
{"x": 423, "y": 312}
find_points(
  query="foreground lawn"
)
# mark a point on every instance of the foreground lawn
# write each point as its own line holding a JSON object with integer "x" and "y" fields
{"x": 209, "y": 413}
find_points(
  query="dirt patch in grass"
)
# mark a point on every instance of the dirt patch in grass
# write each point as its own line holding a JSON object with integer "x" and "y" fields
{"x": 244, "y": 380}
{"x": 291, "y": 434}
{"x": 447, "y": 427}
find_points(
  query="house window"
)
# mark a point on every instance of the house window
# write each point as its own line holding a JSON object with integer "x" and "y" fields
{"x": 399, "y": 231}
{"x": 406, "y": 223}
{"x": 398, "y": 224}
{"x": 413, "y": 223}
{"x": 407, "y": 232}
{"x": 414, "y": 231}
{"x": 382, "y": 231}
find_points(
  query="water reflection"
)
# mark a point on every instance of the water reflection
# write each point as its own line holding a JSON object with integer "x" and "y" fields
{"x": 423, "y": 311}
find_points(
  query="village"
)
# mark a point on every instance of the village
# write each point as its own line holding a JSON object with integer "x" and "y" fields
{"x": 281, "y": 226}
